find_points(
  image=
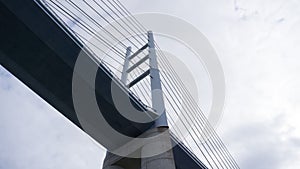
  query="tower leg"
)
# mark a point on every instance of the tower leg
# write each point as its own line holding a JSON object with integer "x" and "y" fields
{"x": 165, "y": 160}
{"x": 156, "y": 153}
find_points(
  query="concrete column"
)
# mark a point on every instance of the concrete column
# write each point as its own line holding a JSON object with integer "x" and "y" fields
{"x": 113, "y": 161}
{"x": 162, "y": 144}
{"x": 156, "y": 89}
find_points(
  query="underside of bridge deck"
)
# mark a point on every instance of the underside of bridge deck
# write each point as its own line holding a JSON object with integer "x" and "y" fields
{"x": 39, "y": 53}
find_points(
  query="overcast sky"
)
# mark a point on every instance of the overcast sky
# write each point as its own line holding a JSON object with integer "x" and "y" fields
{"x": 257, "y": 42}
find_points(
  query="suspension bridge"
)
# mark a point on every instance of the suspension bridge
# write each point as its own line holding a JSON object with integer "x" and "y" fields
{"x": 41, "y": 42}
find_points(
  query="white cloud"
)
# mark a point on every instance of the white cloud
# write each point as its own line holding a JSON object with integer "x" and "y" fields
{"x": 258, "y": 45}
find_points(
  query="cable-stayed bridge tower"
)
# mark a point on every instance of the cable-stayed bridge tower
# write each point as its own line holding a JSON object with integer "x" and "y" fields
{"x": 41, "y": 41}
{"x": 166, "y": 158}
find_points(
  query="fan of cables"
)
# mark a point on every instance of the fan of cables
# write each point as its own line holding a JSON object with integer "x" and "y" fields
{"x": 92, "y": 19}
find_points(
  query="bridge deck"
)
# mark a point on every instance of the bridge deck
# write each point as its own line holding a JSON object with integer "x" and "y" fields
{"x": 39, "y": 53}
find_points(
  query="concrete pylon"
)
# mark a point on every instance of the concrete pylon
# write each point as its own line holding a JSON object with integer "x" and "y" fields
{"x": 161, "y": 144}
{"x": 156, "y": 153}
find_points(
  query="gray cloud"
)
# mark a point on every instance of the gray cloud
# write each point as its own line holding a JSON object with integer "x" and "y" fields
{"x": 268, "y": 148}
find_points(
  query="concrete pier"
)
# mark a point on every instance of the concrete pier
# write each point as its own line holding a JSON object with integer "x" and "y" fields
{"x": 156, "y": 153}
{"x": 159, "y": 144}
